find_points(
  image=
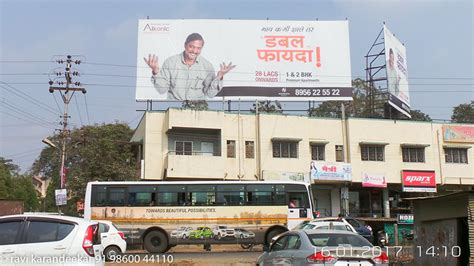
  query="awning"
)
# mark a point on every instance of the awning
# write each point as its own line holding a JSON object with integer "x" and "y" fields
{"x": 287, "y": 139}
{"x": 414, "y": 145}
{"x": 375, "y": 143}
{"x": 459, "y": 146}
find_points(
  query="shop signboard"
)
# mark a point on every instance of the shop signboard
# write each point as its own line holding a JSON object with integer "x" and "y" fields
{"x": 418, "y": 181}
{"x": 405, "y": 219}
{"x": 331, "y": 171}
{"x": 374, "y": 180}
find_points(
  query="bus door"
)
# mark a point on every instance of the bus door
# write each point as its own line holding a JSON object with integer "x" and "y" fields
{"x": 298, "y": 208}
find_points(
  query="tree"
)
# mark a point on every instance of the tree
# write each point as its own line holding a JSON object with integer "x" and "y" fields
{"x": 267, "y": 107}
{"x": 199, "y": 105}
{"x": 417, "y": 115}
{"x": 463, "y": 113}
{"x": 99, "y": 152}
{"x": 14, "y": 186}
{"x": 358, "y": 107}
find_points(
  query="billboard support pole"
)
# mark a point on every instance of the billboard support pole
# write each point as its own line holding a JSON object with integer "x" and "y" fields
{"x": 373, "y": 65}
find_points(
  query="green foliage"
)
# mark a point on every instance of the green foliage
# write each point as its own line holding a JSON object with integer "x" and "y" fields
{"x": 417, "y": 115}
{"x": 100, "y": 152}
{"x": 463, "y": 113}
{"x": 199, "y": 105}
{"x": 14, "y": 186}
{"x": 267, "y": 107}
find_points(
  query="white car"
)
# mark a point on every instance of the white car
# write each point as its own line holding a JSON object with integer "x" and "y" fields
{"x": 34, "y": 239}
{"x": 113, "y": 241}
{"x": 222, "y": 231}
{"x": 182, "y": 232}
{"x": 243, "y": 233}
{"x": 326, "y": 225}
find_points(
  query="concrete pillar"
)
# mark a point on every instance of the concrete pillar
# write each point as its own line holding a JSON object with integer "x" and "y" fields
{"x": 345, "y": 200}
{"x": 386, "y": 203}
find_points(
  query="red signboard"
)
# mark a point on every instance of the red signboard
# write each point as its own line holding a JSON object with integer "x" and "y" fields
{"x": 418, "y": 179}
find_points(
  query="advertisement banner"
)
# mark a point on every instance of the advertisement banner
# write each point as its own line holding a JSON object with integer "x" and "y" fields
{"x": 181, "y": 60}
{"x": 287, "y": 176}
{"x": 374, "y": 180}
{"x": 463, "y": 134}
{"x": 418, "y": 181}
{"x": 405, "y": 218}
{"x": 397, "y": 76}
{"x": 331, "y": 171}
{"x": 61, "y": 196}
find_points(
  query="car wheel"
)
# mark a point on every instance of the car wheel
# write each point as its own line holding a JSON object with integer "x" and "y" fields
{"x": 156, "y": 242}
{"x": 110, "y": 252}
{"x": 246, "y": 246}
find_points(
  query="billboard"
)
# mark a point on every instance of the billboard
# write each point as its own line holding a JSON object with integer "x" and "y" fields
{"x": 463, "y": 134}
{"x": 181, "y": 60}
{"x": 397, "y": 76}
{"x": 330, "y": 171}
{"x": 418, "y": 181}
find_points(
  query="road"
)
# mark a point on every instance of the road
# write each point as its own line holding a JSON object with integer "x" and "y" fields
{"x": 192, "y": 255}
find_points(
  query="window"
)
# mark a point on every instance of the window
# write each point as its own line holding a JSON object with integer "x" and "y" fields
{"x": 231, "y": 149}
{"x": 260, "y": 194}
{"x": 413, "y": 154}
{"x": 279, "y": 243}
{"x": 230, "y": 195}
{"x": 171, "y": 195}
{"x": 294, "y": 242}
{"x": 339, "y": 153}
{"x": 455, "y": 155}
{"x": 116, "y": 196}
{"x": 99, "y": 195}
{"x": 249, "y": 150}
{"x": 285, "y": 149}
{"x": 184, "y": 148}
{"x": 9, "y": 231}
{"x": 141, "y": 195}
{"x": 201, "y": 195}
{"x": 372, "y": 152}
{"x": 317, "y": 152}
{"x": 39, "y": 231}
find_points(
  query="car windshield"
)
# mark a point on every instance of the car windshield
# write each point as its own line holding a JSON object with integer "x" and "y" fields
{"x": 336, "y": 240}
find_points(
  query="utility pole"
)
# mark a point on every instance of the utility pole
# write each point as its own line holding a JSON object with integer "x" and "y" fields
{"x": 66, "y": 88}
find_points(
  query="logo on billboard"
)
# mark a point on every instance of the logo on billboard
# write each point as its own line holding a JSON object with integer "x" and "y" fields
{"x": 283, "y": 92}
{"x": 150, "y": 27}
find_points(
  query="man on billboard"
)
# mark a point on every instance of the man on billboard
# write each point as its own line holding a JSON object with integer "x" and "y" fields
{"x": 187, "y": 75}
{"x": 392, "y": 75}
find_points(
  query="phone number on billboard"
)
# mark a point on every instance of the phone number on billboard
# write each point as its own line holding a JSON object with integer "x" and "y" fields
{"x": 317, "y": 92}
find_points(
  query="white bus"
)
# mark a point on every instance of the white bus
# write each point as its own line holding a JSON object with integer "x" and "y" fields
{"x": 160, "y": 215}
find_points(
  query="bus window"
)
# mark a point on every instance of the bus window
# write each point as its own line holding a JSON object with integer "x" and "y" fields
{"x": 201, "y": 195}
{"x": 141, "y": 195}
{"x": 298, "y": 200}
{"x": 260, "y": 194}
{"x": 230, "y": 195}
{"x": 280, "y": 195}
{"x": 116, "y": 196}
{"x": 171, "y": 195}
{"x": 99, "y": 195}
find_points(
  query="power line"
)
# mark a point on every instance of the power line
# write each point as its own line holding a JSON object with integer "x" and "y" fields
{"x": 19, "y": 111}
{"x": 79, "y": 113}
{"x": 26, "y": 97}
{"x": 23, "y": 119}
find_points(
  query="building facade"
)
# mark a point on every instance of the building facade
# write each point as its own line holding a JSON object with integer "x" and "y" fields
{"x": 388, "y": 160}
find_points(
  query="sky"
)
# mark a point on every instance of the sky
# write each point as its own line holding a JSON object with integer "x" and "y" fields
{"x": 438, "y": 36}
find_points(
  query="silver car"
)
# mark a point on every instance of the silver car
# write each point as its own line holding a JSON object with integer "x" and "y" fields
{"x": 322, "y": 247}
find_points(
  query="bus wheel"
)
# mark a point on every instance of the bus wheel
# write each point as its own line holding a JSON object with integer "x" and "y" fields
{"x": 272, "y": 234}
{"x": 156, "y": 242}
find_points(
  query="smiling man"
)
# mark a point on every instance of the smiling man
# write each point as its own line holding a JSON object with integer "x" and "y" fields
{"x": 187, "y": 75}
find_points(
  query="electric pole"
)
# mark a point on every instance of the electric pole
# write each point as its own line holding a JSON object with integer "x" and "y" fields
{"x": 66, "y": 87}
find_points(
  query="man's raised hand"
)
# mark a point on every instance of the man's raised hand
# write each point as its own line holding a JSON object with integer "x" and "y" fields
{"x": 224, "y": 69}
{"x": 152, "y": 62}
